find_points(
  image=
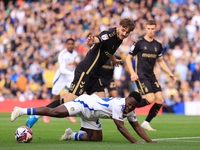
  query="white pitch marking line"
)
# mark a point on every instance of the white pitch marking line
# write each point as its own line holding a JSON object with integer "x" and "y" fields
{"x": 176, "y": 138}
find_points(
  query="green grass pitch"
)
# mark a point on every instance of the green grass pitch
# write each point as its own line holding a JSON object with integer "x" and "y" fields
{"x": 174, "y": 132}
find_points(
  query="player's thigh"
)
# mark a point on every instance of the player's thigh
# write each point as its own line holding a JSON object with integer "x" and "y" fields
{"x": 79, "y": 84}
{"x": 112, "y": 88}
{"x": 144, "y": 86}
{"x": 93, "y": 129}
{"x": 159, "y": 98}
{"x": 95, "y": 85}
{"x": 114, "y": 93}
{"x": 55, "y": 97}
{"x": 58, "y": 86}
{"x": 73, "y": 108}
{"x": 94, "y": 135}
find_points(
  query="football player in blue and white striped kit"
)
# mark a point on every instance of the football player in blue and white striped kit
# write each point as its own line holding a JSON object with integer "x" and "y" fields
{"x": 90, "y": 108}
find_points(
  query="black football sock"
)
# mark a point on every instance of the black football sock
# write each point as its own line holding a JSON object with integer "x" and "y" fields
{"x": 143, "y": 102}
{"x": 153, "y": 111}
{"x": 56, "y": 103}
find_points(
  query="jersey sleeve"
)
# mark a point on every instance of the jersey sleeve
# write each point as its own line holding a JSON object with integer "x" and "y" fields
{"x": 103, "y": 37}
{"x": 117, "y": 113}
{"x": 134, "y": 49}
{"x": 161, "y": 50}
{"x": 131, "y": 116}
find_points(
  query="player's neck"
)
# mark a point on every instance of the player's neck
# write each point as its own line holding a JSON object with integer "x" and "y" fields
{"x": 149, "y": 39}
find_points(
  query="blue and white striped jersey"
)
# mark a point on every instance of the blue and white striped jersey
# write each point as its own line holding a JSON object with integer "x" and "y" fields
{"x": 95, "y": 107}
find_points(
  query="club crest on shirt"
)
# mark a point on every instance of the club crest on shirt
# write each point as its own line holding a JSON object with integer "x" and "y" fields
{"x": 72, "y": 108}
{"x": 104, "y": 37}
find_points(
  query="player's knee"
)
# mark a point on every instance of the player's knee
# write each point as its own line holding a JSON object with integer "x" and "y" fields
{"x": 151, "y": 99}
{"x": 159, "y": 101}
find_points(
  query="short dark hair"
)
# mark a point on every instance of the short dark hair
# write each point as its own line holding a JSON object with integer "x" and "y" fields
{"x": 70, "y": 39}
{"x": 151, "y": 22}
{"x": 127, "y": 23}
{"x": 137, "y": 96}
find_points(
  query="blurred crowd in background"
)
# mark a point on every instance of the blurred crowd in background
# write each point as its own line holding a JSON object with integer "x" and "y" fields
{"x": 32, "y": 33}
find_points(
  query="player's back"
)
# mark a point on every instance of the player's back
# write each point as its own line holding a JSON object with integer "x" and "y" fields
{"x": 96, "y": 107}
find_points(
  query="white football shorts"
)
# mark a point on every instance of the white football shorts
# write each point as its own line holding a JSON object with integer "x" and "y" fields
{"x": 60, "y": 83}
{"x": 76, "y": 109}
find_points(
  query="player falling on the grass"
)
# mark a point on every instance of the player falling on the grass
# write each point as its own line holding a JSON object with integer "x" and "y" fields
{"x": 103, "y": 47}
{"x": 146, "y": 51}
{"x": 63, "y": 77}
{"x": 107, "y": 79}
{"x": 90, "y": 108}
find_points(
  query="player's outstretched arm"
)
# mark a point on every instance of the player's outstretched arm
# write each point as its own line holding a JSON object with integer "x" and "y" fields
{"x": 140, "y": 131}
{"x": 92, "y": 39}
{"x": 125, "y": 133}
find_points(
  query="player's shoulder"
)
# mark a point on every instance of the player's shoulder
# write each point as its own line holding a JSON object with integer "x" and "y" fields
{"x": 74, "y": 52}
{"x": 138, "y": 41}
{"x": 62, "y": 53}
{"x": 111, "y": 31}
{"x": 157, "y": 42}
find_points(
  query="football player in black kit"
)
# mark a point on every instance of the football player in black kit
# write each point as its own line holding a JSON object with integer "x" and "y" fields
{"x": 107, "y": 79}
{"x": 146, "y": 51}
{"x": 87, "y": 71}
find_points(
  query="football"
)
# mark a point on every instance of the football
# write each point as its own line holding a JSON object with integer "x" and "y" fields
{"x": 23, "y": 134}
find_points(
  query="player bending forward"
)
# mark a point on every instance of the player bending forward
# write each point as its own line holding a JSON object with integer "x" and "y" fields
{"x": 90, "y": 108}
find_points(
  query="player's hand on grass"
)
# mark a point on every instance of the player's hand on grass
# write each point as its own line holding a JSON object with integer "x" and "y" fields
{"x": 137, "y": 142}
{"x": 90, "y": 39}
{"x": 154, "y": 142}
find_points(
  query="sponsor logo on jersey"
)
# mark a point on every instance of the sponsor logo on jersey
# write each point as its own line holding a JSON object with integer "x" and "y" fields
{"x": 70, "y": 64}
{"x": 104, "y": 37}
{"x": 149, "y": 55}
{"x": 132, "y": 48}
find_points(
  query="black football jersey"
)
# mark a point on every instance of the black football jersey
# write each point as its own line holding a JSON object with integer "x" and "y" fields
{"x": 107, "y": 70}
{"x": 145, "y": 54}
{"x": 100, "y": 53}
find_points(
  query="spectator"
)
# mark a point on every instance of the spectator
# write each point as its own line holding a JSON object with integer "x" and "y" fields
{"x": 182, "y": 69}
{"x": 48, "y": 75}
{"x": 8, "y": 94}
{"x": 196, "y": 73}
{"x": 21, "y": 82}
{"x": 34, "y": 66}
{"x": 1, "y": 97}
{"x": 20, "y": 96}
{"x": 38, "y": 77}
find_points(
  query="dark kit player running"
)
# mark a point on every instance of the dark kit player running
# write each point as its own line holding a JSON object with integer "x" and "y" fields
{"x": 147, "y": 50}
